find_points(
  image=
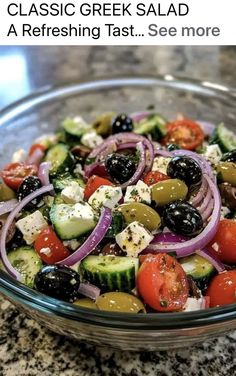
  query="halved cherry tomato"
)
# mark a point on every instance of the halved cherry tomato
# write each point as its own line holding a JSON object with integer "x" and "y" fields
{"x": 154, "y": 177}
{"x": 13, "y": 174}
{"x": 93, "y": 183}
{"x": 162, "y": 283}
{"x": 185, "y": 133}
{"x": 35, "y": 147}
{"x": 223, "y": 244}
{"x": 222, "y": 289}
{"x": 49, "y": 247}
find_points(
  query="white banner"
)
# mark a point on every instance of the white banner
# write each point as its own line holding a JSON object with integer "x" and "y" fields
{"x": 101, "y": 22}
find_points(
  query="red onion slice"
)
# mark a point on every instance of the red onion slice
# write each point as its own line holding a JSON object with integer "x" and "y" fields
{"x": 12, "y": 271}
{"x": 218, "y": 265}
{"x": 89, "y": 290}
{"x": 43, "y": 173}
{"x": 92, "y": 241}
{"x": 207, "y": 127}
{"x": 8, "y": 206}
{"x": 162, "y": 153}
{"x": 201, "y": 193}
{"x": 35, "y": 158}
{"x": 204, "y": 204}
{"x": 140, "y": 169}
{"x": 200, "y": 241}
{"x": 138, "y": 116}
{"x": 206, "y": 214}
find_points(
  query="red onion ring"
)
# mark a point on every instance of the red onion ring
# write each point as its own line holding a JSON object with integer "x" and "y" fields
{"x": 205, "y": 202}
{"x": 218, "y": 265}
{"x": 138, "y": 116}
{"x": 201, "y": 193}
{"x": 7, "y": 206}
{"x": 92, "y": 241}
{"x": 89, "y": 290}
{"x": 12, "y": 271}
{"x": 162, "y": 153}
{"x": 200, "y": 241}
{"x": 35, "y": 158}
{"x": 127, "y": 145}
{"x": 140, "y": 169}
{"x": 43, "y": 173}
{"x": 206, "y": 214}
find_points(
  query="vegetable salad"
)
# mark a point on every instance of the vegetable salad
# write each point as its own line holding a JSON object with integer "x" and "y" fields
{"x": 131, "y": 213}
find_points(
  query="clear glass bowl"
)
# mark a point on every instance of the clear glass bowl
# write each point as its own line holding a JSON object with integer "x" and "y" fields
{"x": 41, "y": 112}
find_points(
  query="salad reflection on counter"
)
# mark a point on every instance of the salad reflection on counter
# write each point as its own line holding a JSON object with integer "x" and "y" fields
{"x": 132, "y": 213}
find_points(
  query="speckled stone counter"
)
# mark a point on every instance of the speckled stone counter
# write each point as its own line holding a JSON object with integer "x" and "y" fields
{"x": 27, "y": 348}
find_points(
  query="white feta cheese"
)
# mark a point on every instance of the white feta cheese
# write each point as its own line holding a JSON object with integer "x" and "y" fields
{"x": 73, "y": 193}
{"x": 140, "y": 192}
{"x": 91, "y": 139}
{"x": 224, "y": 211}
{"x": 72, "y": 244}
{"x": 31, "y": 226}
{"x": 78, "y": 171}
{"x": 193, "y": 304}
{"x": 160, "y": 164}
{"x": 106, "y": 196}
{"x": 19, "y": 156}
{"x": 213, "y": 154}
{"x": 134, "y": 239}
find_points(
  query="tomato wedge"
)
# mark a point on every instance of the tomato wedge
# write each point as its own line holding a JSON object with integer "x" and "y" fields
{"x": 185, "y": 133}
{"x": 154, "y": 177}
{"x": 222, "y": 289}
{"x": 162, "y": 283}
{"x": 13, "y": 174}
{"x": 49, "y": 247}
{"x": 93, "y": 183}
{"x": 223, "y": 244}
{"x": 35, "y": 147}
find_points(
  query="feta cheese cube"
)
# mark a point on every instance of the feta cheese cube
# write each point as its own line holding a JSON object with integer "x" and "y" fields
{"x": 106, "y": 196}
{"x": 73, "y": 193}
{"x": 140, "y": 192}
{"x": 160, "y": 164}
{"x": 78, "y": 171}
{"x": 193, "y": 304}
{"x": 134, "y": 239}
{"x": 91, "y": 139}
{"x": 213, "y": 154}
{"x": 19, "y": 156}
{"x": 223, "y": 212}
{"x": 31, "y": 226}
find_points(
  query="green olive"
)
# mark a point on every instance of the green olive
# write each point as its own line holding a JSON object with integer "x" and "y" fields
{"x": 168, "y": 191}
{"x": 136, "y": 211}
{"x": 86, "y": 302}
{"x": 102, "y": 123}
{"x": 6, "y": 193}
{"x": 227, "y": 172}
{"x": 120, "y": 302}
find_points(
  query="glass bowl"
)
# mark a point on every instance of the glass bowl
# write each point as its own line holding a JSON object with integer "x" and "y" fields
{"x": 41, "y": 112}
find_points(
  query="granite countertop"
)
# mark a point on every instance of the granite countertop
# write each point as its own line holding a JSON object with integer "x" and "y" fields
{"x": 29, "y": 349}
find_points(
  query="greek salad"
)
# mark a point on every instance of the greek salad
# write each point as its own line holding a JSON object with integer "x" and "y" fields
{"x": 128, "y": 213}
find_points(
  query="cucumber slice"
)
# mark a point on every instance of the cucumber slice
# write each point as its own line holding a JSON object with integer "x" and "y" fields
{"x": 154, "y": 125}
{"x": 225, "y": 138}
{"x": 75, "y": 127}
{"x": 110, "y": 273}
{"x": 72, "y": 221}
{"x": 60, "y": 158}
{"x": 26, "y": 261}
{"x": 117, "y": 225}
{"x": 198, "y": 268}
{"x": 62, "y": 181}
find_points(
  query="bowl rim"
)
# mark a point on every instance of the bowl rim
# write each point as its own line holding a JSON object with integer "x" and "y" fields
{"x": 24, "y": 295}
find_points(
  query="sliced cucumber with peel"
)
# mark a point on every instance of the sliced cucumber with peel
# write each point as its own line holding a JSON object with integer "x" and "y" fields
{"x": 27, "y": 262}
{"x": 153, "y": 124}
{"x": 224, "y": 137}
{"x": 62, "y": 181}
{"x": 74, "y": 128}
{"x": 110, "y": 273}
{"x": 60, "y": 158}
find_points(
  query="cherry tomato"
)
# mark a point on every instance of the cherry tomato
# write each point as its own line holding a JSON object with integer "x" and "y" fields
{"x": 35, "y": 147}
{"x": 154, "y": 177}
{"x": 49, "y": 247}
{"x": 162, "y": 283}
{"x": 93, "y": 183}
{"x": 223, "y": 244}
{"x": 185, "y": 133}
{"x": 222, "y": 289}
{"x": 13, "y": 174}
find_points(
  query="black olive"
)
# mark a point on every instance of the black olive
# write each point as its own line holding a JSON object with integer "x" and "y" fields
{"x": 182, "y": 218}
{"x": 230, "y": 156}
{"x": 172, "y": 147}
{"x": 28, "y": 186}
{"x": 120, "y": 167}
{"x": 122, "y": 123}
{"x": 58, "y": 282}
{"x": 186, "y": 169}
